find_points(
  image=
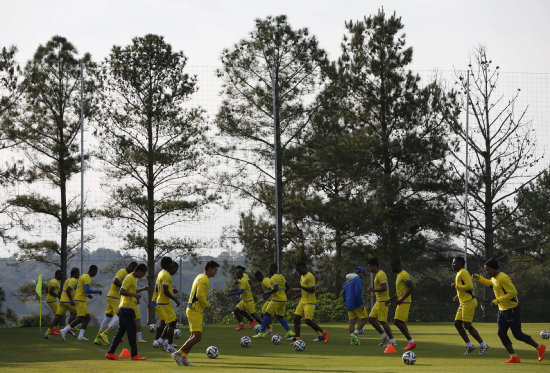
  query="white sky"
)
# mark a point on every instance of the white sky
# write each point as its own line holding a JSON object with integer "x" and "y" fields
{"x": 441, "y": 32}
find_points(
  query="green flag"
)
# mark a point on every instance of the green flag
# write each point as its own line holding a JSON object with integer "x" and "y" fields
{"x": 39, "y": 286}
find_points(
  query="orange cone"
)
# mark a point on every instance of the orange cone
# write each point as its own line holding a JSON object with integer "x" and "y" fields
{"x": 390, "y": 349}
{"x": 126, "y": 353}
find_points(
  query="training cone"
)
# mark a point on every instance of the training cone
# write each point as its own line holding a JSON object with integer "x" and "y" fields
{"x": 390, "y": 349}
{"x": 125, "y": 353}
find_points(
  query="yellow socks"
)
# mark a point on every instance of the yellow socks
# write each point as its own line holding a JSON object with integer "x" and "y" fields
{"x": 106, "y": 331}
{"x": 48, "y": 331}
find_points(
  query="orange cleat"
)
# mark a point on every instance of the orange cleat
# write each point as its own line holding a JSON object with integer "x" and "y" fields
{"x": 55, "y": 332}
{"x": 513, "y": 359}
{"x": 325, "y": 336}
{"x": 410, "y": 346}
{"x": 111, "y": 357}
{"x": 241, "y": 327}
{"x": 390, "y": 349}
{"x": 252, "y": 324}
{"x": 138, "y": 357}
{"x": 540, "y": 351}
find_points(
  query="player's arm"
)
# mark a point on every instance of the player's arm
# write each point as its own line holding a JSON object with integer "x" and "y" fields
{"x": 126, "y": 293}
{"x": 482, "y": 280}
{"x": 510, "y": 290}
{"x": 52, "y": 292}
{"x": 68, "y": 290}
{"x": 410, "y": 289}
{"x": 237, "y": 292}
{"x": 383, "y": 287}
{"x": 88, "y": 290}
{"x": 145, "y": 288}
{"x": 202, "y": 293}
{"x": 117, "y": 282}
{"x": 274, "y": 289}
{"x": 166, "y": 291}
{"x": 468, "y": 283}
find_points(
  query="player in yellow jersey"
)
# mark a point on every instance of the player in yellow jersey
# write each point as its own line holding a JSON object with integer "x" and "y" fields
{"x": 246, "y": 304}
{"x": 164, "y": 304}
{"x": 83, "y": 291}
{"x": 277, "y": 304}
{"x": 66, "y": 302}
{"x": 127, "y": 313}
{"x": 403, "y": 289}
{"x": 53, "y": 295}
{"x": 243, "y": 312}
{"x": 509, "y": 311}
{"x": 165, "y": 264}
{"x": 465, "y": 314}
{"x": 378, "y": 316}
{"x": 265, "y": 286}
{"x": 110, "y": 321}
{"x": 306, "y": 306}
{"x": 195, "y": 309}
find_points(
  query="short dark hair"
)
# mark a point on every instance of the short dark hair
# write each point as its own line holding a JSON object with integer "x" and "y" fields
{"x": 58, "y": 272}
{"x": 132, "y": 265}
{"x": 395, "y": 262}
{"x": 141, "y": 268}
{"x": 301, "y": 265}
{"x": 240, "y": 267}
{"x": 460, "y": 259}
{"x": 165, "y": 262}
{"x": 373, "y": 262}
{"x": 210, "y": 264}
{"x": 175, "y": 265}
{"x": 93, "y": 267}
{"x": 492, "y": 263}
{"x": 258, "y": 273}
{"x": 74, "y": 271}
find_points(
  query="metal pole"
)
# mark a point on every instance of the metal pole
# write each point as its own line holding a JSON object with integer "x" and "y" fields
{"x": 466, "y": 172}
{"x": 275, "y": 146}
{"x": 81, "y": 167}
{"x": 181, "y": 293}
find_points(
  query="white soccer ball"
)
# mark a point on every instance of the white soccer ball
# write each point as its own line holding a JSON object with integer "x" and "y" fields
{"x": 177, "y": 333}
{"x": 276, "y": 339}
{"x": 299, "y": 345}
{"x": 153, "y": 328}
{"x": 545, "y": 334}
{"x": 409, "y": 358}
{"x": 212, "y": 352}
{"x": 257, "y": 328}
{"x": 246, "y": 341}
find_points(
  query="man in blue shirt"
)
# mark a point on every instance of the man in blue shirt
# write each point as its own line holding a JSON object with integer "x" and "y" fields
{"x": 353, "y": 298}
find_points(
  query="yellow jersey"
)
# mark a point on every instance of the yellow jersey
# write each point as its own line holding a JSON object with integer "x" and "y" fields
{"x": 80, "y": 295}
{"x": 401, "y": 287}
{"x": 130, "y": 285}
{"x": 164, "y": 279}
{"x": 199, "y": 292}
{"x": 379, "y": 280}
{"x": 266, "y": 286}
{"x": 244, "y": 284}
{"x": 505, "y": 292}
{"x": 464, "y": 286}
{"x": 308, "y": 281}
{"x": 55, "y": 285}
{"x": 68, "y": 286}
{"x": 114, "y": 291}
{"x": 280, "y": 294}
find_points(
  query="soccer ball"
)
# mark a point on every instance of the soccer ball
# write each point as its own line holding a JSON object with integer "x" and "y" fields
{"x": 362, "y": 331}
{"x": 246, "y": 341}
{"x": 177, "y": 333}
{"x": 299, "y": 345}
{"x": 257, "y": 328}
{"x": 212, "y": 352}
{"x": 178, "y": 325}
{"x": 276, "y": 339}
{"x": 545, "y": 334}
{"x": 153, "y": 328}
{"x": 409, "y": 358}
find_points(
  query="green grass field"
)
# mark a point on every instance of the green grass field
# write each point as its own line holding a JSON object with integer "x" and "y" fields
{"x": 439, "y": 349}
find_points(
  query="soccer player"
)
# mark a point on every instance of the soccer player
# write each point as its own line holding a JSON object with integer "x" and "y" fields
{"x": 277, "y": 304}
{"x": 66, "y": 302}
{"x": 159, "y": 341}
{"x": 509, "y": 311}
{"x": 378, "y": 316}
{"x": 265, "y": 283}
{"x": 113, "y": 301}
{"x": 246, "y": 304}
{"x": 195, "y": 309}
{"x": 403, "y": 289}
{"x": 353, "y": 298}
{"x": 53, "y": 295}
{"x": 244, "y": 313}
{"x": 127, "y": 313}
{"x": 83, "y": 291}
{"x": 306, "y": 306}
{"x": 165, "y": 296}
{"x": 465, "y": 315}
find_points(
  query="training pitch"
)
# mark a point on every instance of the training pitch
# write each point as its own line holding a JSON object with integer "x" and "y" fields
{"x": 440, "y": 349}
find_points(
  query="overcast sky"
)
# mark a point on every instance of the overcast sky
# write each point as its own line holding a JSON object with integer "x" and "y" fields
{"x": 442, "y": 33}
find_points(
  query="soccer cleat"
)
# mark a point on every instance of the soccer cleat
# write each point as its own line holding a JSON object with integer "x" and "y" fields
{"x": 73, "y": 333}
{"x": 47, "y": 336}
{"x": 171, "y": 348}
{"x": 289, "y": 334}
{"x": 469, "y": 350}
{"x": 141, "y": 341}
{"x": 541, "y": 350}
{"x": 156, "y": 344}
{"x": 513, "y": 359}
{"x": 354, "y": 339}
{"x": 252, "y": 324}
{"x": 63, "y": 334}
{"x": 410, "y": 346}
{"x": 390, "y": 349}
{"x": 325, "y": 336}
{"x": 138, "y": 357}
{"x": 318, "y": 339}
{"x": 98, "y": 341}
{"x": 82, "y": 338}
{"x": 54, "y": 332}
{"x": 483, "y": 350}
{"x": 259, "y": 335}
{"x": 104, "y": 337}
{"x": 180, "y": 360}
{"x": 111, "y": 356}
{"x": 240, "y": 327}
{"x": 292, "y": 340}
{"x": 383, "y": 342}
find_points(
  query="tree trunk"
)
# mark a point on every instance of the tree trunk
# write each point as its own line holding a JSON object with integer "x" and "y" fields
{"x": 63, "y": 254}
{"x": 488, "y": 203}
{"x": 150, "y": 224}
{"x": 278, "y": 181}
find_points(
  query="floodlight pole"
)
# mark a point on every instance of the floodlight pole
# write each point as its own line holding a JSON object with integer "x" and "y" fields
{"x": 81, "y": 167}
{"x": 181, "y": 291}
{"x": 278, "y": 219}
{"x": 466, "y": 171}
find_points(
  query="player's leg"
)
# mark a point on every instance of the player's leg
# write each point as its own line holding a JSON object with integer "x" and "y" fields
{"x": 309, "y": 313}
{"x": 158, "y": 333}
{"x": 361, "y": 324}
{"x": 138, "y": 327}
{"x": 400, "y": 320}
{"x": 53, "y": 323}
{"x": 518, "y": 334}
{"x": 85, "y": 322}
{"x": 130, "y": 321}
{"x": 298, "y": 315}
{"x": 239, "y": 315}
{"x": 102, "y": 327}
{"x": 118, "y": 336}
{"x": 502, "y": 332}
{"x": 195, "y": 327}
